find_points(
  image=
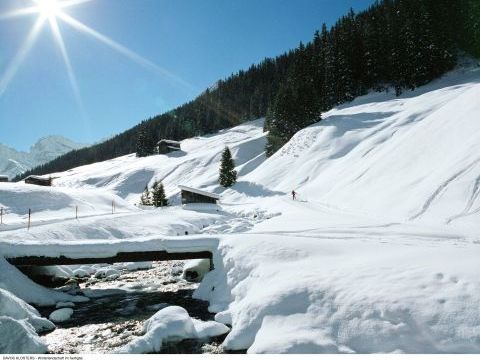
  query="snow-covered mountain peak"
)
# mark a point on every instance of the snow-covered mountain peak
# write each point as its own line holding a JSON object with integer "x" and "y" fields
{"x": 14, "y": 162}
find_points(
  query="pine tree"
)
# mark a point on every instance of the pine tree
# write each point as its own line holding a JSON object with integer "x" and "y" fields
{"x": 158, "y": 195}
{"x": 140, "y": 147}
{"x": 145, "y": 198}
{"x": 228, "y": 175}
{"x": 145, "y": 143}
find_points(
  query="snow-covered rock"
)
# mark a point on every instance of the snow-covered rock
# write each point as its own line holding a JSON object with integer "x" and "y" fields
{"x": 61, "y": 315}
{"x": 65, "y": 305}
{"x": 172, "y": 324}
{"x": 13, "y": 307}
{"x": 19, "y": 337}
{"x": 141, "y": 265}
{"x": 81, "y": 273}
{"x": 195, "y": 270}
{"x": 107, "y": 272}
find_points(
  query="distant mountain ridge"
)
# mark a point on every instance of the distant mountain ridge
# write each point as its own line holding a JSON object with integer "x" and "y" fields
{"x": 14, "y": 162}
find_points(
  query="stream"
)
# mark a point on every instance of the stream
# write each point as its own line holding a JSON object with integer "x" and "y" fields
{"x": 117, "y": 310}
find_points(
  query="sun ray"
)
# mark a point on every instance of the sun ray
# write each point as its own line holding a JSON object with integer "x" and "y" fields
{"x": 14, "y": 65}
{"x": 68, "y": 64}
{"x": 125, "y": 51}
{"x": 68, "y": 3}
{"x": 20, "y": 12}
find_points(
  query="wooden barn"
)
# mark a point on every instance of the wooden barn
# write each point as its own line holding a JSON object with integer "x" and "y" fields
{"x": 3, "y": 178}
{"x": 38, "y": 180}
{"x": 165, "y": 146}
{"x": 195, "y": 196}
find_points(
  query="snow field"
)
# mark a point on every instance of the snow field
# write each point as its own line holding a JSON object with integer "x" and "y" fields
{"x": 341, "y": 296}
{"x": 412, "y": 158}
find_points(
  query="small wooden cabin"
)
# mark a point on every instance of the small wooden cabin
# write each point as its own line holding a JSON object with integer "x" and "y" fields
{"x": 38, "y": 180}
{"x": 195, "y": 196}
{"x": 165, "y": 146}
{"x": 3, "y": 178}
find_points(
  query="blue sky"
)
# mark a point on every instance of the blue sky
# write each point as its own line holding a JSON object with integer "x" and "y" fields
{"x": 196, "y": 42}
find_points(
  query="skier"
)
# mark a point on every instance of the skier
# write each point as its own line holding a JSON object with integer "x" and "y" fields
{"x": 294, "y": 195}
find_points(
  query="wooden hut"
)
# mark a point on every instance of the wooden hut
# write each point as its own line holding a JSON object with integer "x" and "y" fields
{"x": 3, "y": 178}
{"x": 38, "y": 180}
{"x": 195, "y": 196}
{"x": 165, "y": 146}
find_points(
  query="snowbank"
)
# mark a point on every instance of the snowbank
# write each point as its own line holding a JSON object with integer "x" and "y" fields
{"x": 15, "y": 308}
{"x": 172, "y": 324}
{"x": 21, "y": 339}
{"x": 12, "y": 280}
{"x": 342, "y": 296}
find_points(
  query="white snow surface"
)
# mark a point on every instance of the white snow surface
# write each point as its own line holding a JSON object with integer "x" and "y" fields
{"x": 13, "y": 307}
{"x": 19, "y": 337}
{"x": 378, "y": 254}
{"x": 15, "y": 282}
{"x": 172, "y": 324}
{"x": 413, "y": 158}
{"x": 196, "y": 165}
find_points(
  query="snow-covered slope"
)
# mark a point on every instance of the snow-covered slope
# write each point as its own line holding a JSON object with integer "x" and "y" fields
{"x": 196, "y": 165}
{"x": 13, "y": 162}
{"x": 416, "y": 157}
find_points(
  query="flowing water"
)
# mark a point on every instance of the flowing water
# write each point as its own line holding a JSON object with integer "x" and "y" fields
{"x": 117, "y": 310}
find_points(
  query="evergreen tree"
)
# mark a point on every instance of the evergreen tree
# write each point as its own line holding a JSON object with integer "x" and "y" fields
{"x": 296, "y": 106}
{"x": 145, "y": 143}
{"x": 158, "y": 195}
{"x": 228, "y": 175}
{"x": 140, "y": 148}
{"x": 146, "y": 198}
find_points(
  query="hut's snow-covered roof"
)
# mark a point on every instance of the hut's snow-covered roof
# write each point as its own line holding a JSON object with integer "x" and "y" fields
{"x": 36, "y": 177}
{"x": 169, "y": 142}
{"x": 200, "y": 192}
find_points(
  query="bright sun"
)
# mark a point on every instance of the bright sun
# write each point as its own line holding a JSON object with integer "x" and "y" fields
{"x": 49, "y": 8}
{"x": 52, "y": 12}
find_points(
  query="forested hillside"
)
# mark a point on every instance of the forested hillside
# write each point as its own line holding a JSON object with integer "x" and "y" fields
{"x": 399, "y": 44}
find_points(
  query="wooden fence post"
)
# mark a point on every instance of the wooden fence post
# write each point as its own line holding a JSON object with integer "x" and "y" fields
{"x": 76, "y": 212}
{"x": 29, "y": 217}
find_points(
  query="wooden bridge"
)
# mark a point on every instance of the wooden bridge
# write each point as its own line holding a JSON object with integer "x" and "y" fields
{"x": 48, "y": 253}
{"x": 135, "y": 256}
